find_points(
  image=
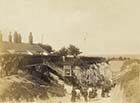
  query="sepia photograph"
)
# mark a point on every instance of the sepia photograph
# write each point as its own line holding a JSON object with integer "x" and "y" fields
{"x": 69, "y": 51}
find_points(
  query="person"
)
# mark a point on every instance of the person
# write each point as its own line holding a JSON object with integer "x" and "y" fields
{"x": 90, "y": 91}
{"x": 93, "y": 93}
{"x": 85, "y": 94}
{"x": 105, "y": 91}
{"x": 73, "y": 93}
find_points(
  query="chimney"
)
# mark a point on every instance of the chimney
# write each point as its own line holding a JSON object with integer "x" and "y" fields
{"x": 30, "y": 38}
{"x": 1, "y": 37}
{"x": 15, "y": 39}
{"x": 10, "y": 37}
{"x": 19, "y": 38}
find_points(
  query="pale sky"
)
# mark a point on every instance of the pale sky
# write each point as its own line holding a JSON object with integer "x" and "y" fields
{"x": 110, "y": 26}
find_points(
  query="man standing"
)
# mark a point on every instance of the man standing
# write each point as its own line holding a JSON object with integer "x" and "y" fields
{"x": 73, "y": 93}
{"x": 85, "y": 94}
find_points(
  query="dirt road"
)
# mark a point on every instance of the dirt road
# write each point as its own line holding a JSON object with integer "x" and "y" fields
{"x": 67, "y": 98}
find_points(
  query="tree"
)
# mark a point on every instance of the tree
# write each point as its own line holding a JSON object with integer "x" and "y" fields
{"x": 48, "y": 48}
{"x": 72, "y": 50}
{"x": 56, "y": 53}
{"x": 63, "y": 51}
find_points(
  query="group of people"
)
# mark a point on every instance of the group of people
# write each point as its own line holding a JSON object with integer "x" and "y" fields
{"x": 77, "y": 92}
{"x": 90, "y": 92}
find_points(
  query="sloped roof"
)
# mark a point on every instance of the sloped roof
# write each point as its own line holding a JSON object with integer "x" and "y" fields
{"x": 20, "y": 48}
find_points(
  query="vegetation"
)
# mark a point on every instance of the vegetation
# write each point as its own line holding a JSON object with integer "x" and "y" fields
{"x": 48, "y": 48}
{"x": 63, "y": 51}
{"x": 71, "y": 50}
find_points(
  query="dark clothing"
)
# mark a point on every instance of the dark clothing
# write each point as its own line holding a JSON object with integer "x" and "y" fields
{"x": 92, "y": 94}
{"x": 85, "y": 94}
{"x": 105, "y": 90}
{"x": 73, "y": 97}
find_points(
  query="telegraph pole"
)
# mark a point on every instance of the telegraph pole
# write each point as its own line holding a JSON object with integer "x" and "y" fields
{"x": 42, "y": 36}
{"x": 139, "y": 75}
{"x": 85, "y": 42}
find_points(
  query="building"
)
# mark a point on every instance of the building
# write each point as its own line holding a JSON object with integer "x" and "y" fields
{"x": 21, "y": 48}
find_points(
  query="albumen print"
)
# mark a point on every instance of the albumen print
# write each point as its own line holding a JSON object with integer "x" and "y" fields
{"x": 69, "y": 51}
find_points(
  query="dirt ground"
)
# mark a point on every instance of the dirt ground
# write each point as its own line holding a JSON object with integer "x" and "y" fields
{"x": 66, "y": 99}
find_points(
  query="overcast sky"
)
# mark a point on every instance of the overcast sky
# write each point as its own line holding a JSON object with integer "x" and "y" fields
{"x": 108, "y": 26}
